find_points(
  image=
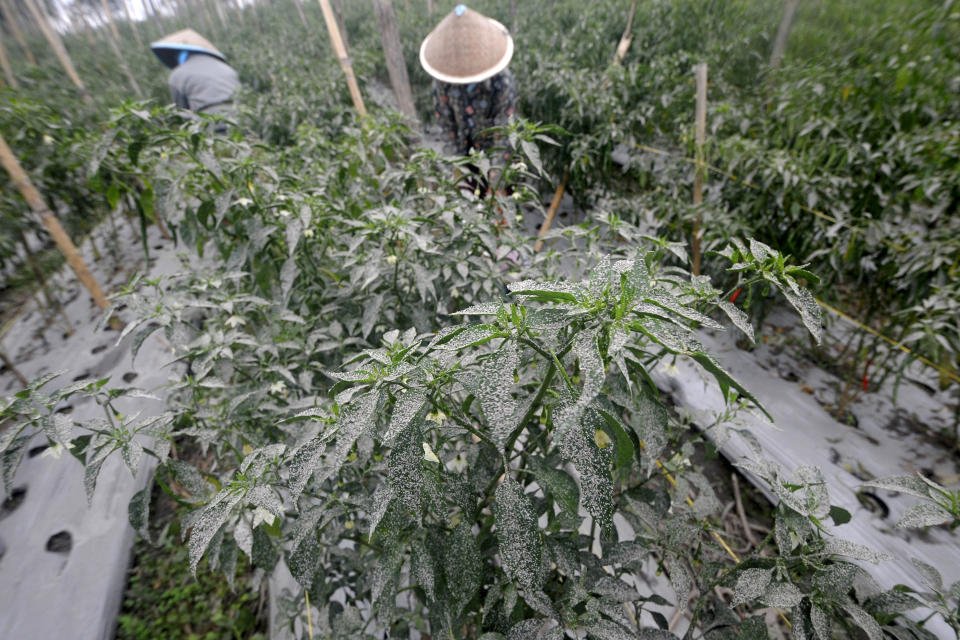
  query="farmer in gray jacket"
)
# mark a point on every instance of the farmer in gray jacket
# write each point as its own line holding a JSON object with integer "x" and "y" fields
{"x": 201, "y": 80}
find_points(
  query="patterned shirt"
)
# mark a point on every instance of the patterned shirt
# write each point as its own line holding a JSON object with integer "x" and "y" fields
{"x": 465, "y": 110}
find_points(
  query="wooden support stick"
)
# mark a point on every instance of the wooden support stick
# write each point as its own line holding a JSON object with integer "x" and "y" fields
{"x": 7, "y": 69}
{"x": 133, "y": 25}
{"x": 108, "y": 14}
{"x": 396, "y": 66}
{"x": 303, "y": 17}
{"x": 10, "y": 20}
{"x": 701, "y": 134}
{"x": 341, "y": 52}
{"x": 40, "y": 208}
{"x": 57, "y": 45}
{"x": 627, "y": 36}
{"x": 551, "y": 212}
{"x": 113, "y": 41}
{"x": 783, "y": 32}
{"x": 8, "y": 363}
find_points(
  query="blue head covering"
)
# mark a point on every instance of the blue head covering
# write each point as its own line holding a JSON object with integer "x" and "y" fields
{"x": 182, "y": 57}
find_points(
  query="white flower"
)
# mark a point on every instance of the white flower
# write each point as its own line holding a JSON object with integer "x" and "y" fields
{"x": 428, "y": 453}
{"x": 277, "y": 387}
{"x": 520, "y": 166}
{"x": 476, "y": 192}
{"x": 391, "y": 259}
{"x": 308, "y": 232}
{"x": 671, "y": 369}
{"x": 283, "y": 213}
{"x": 516, "y": 196}
{"x": 457, "y": 465}
{"x": 56, "y": 451}
{"x": 261, "y": 515}
{"x": 234, "y": 321}
{"x": 437, "y": 416}
{"x": 242, "y": 202}
{"x": 47, "y": 139}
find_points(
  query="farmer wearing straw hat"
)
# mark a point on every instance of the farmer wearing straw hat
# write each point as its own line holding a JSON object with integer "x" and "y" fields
{"x": 467, "y": 55}
{"x": 201, "y": 80}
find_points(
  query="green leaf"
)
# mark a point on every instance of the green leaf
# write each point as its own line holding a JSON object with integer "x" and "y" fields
{"x": 839, "y": 515}
{"x": 113, "y": 196}
{"x": 521, "y": 546}
{"x": 725, "y": 380}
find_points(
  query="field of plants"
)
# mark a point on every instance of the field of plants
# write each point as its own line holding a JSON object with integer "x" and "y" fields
{"x": 379, "y": 386}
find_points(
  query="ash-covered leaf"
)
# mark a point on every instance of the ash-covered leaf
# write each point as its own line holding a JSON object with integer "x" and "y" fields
{"x": 854, "y": 550}
{"x": 911, "y": 485}
{"x": 543, "y": 629}
{"x": 422, "y": 569}
{"x": 783, "y": 595}
{"x": 213, "y": 516}
{"x": 138, "y": 512}
{"x": 608, "y": 630}
{"x": 462, "y": 565}
{"x": 382, "y": 497}
{"x": 593, "y": 465}
{"x": 355, "y": 418}
{"x": 930, "y": 576}
{"x": 822, "y": 626}
{"x": 738, "y": 318}
{"x": 681, "y": 581}
{"x": 266, "y": 498}
{"x": 386, "y": 573}
{"x": 924, "y": 515}
{"x": 615, "y": 589}
{"x": 483, "y": 309}
{"x": 521, "y": 547}
{"x": 405, "y": 466}
{"x": 751, "y": 585}
{"x": 864, "y": 620}
{"x": 405, "y": 409}
{"x": 494, "y": 391}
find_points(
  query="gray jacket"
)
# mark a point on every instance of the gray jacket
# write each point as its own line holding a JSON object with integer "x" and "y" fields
{"x": 203, "y": 84}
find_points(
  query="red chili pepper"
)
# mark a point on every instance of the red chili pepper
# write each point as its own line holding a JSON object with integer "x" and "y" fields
{"x": 866, "y": 381}
{"x": 733, "y": 298}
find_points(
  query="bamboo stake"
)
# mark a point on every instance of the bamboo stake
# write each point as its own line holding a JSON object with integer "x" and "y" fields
{"x": 133, "y": 25}
{"x": 393, "y": 52}
{"x": 57, "y": 45}
{"x": 783, "y": 32}
{"x": 8, "y": 363}
{"x": 303, "y": 17}
{"x": 108, "y": 14}
{"x": 627, "y": 36}
{"x": 40, "y": 208}
{"x": 112, "y": 41}
{"x": 337, "y": 42}
{"x": 10, "y": 19}
{"x": 7, "y": 69}
{"x": 551, "y": 212}
{"x": 429, "y": 7}
{"x": 700, "y": 71}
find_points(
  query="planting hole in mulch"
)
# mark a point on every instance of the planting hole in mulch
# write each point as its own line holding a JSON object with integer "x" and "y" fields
{"x": 66, "y": 410}
{"x": 60, "y": 542}
{"x": 82, "y": 376}
{"x": 96, "y": 350}
{"x": 129, "y": 376}
{"x": 17, "y": 496}
{"x": 35, "y": 451}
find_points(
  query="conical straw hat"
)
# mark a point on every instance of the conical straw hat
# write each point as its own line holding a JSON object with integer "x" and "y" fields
{"x": 169, "y": 47}
{"x": 466, "y": 47}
